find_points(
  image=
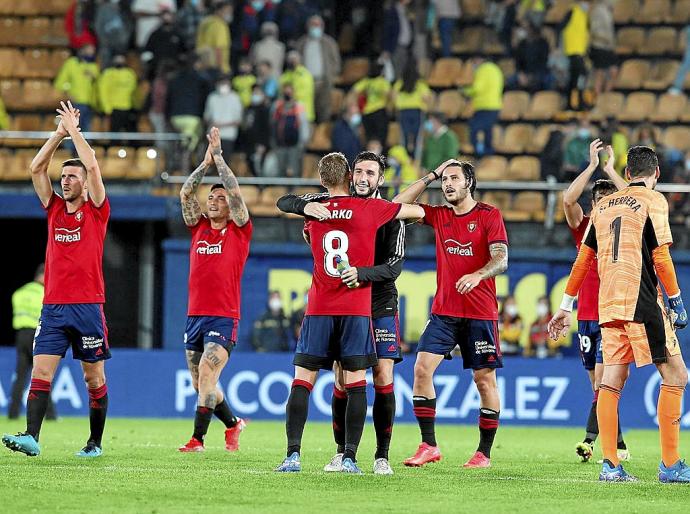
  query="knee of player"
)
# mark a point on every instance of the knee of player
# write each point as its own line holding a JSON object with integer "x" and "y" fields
{"x": 42, "y": 373}
{"x": 94, "y": 379}
{"x": 383, "y": 375}
{"x": 485, "y": 382}
{"x": 422, "y": 371}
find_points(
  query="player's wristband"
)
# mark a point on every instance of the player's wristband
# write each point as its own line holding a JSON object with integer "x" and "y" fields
{"x": 567, "y": 302}
{"x": 675, "y": 301}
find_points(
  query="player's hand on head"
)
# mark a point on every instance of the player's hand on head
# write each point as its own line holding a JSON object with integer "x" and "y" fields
{"x": 439, "y": 170}
{"x": 317, "y": 210}
{"x": 594, "y": 148}
{"x": 467, "y": 283}
{"x": 350, "y": 278}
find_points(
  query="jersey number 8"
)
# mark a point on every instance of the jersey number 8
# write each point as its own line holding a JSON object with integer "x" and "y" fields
{"x": 335, "y": 244}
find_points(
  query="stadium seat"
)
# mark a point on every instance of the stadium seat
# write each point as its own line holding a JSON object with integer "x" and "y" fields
{"x": 624, "y": 12}
{"x": 539, "y": 139}
{"x": 251, "y": 196}
{"x": 507, "y": 67}
{"x": 144, "y": 166}
{"x": 677, "y": 138}
{"x": 27, "y": 122}
{"x": 558, "y": 10}
{"x": 445, "y": 72}
{"x": 529, "y": 202}
{"x": 36, "y": 63}
{"x": 638, "y": 107}
{"x": 515, "y": 104}
{"x": 669, "y": 108}
{"x": 523, "y": 168}
{"x": 321, "y": 138}
{"x": 680, "y": 12}
{"x": 629, "y": 40}
{"x": 632, "y": 73}
{"x": 239, "y": 165}
{"x": 515, "y": 138}
{"x": 661, "y": 75}
{"x": 450, "y": 103}
{"x": 499, "y": 199}
{"x": 269, "y": 197}
{"x": 40, "y": 94}
{"x": 660, "y": 41}
{"x": 10, "y": 61}
{"x": 685, "y": 115}
{"x": 55, "y": 167}
{"x": 653, "y": 12}
{"x": 310, "y": 165}
{"x": 18, "y": 165}
{"x": 55, "y": 7}
{"x": 30, "y": 7}
{"x": 607, "y": 104}
{"x": 57, "y": 59}
{"x": 36, "y": 31}
{"x": 354, "y": 69}
{"x": 472, "y": 9}
{"x": 10, "y": 30}
{"x": 11, "y": 94}
{"x": 682, "y": 40}
{"x": 492, "y": 168}
{"x": 118, "y": 162}
{"x": 463, "y": 132}
{"x": 543, "y": 106}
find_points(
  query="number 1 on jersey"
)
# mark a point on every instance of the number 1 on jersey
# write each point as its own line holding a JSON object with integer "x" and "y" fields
{"x": 616, "y": 230}
{"x": 335, "y": 244}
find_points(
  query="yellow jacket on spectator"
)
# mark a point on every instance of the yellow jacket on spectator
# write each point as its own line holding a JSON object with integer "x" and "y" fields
{"x": 411, "y": 100}
{"x": 116, "y": 89}
{"x": 214, "y": 33}
{"x": 403, "y": 173}
{"x": 486, "y": 90}
{"x": 576, "y": 32}
{"x": 376, "y": 90}
{"x": 302, "y": 83}
{"x": 77, "y": 79}
{"x": 244, "y": 84}
{"x": 27, "y": 302}
{"x": 4, "y": 118}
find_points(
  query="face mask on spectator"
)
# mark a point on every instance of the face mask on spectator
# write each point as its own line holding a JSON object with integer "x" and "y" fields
{"x": 88, "y": 58}
{"x": 429, "y": 126}
{"x": 290, "y": 66}
{"x": 583, "y": 132}
{"x": 258, "y": 5}
{"x": 257, "y": 99}
{"x": 511, "y": 310}
{"x": 287, "y": 96}
{"x": 315, "y": 32}
{"x": 223, "y": 89}
{"x": 542, "y": 310}
{"x": 356, "y": 119}
{"x": 392, "y": 162}
{"x": 275, "y": 304}
{"x": 584, "y": 6}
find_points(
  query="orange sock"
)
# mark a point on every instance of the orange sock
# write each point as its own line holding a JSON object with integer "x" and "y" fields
{"x": 607, "y": 415}
{"x": 669, "y": 412}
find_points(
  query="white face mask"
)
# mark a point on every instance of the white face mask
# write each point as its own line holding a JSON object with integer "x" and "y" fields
{"x": 542, "y": 310}
{"x": 511, "y": 310}
{"x": 224, "y": 89}
{"x": 275, "y": 304}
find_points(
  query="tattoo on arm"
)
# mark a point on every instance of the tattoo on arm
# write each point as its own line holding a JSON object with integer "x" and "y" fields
{"x": 238, "y": 209}
{"x": 498, "y": 263}
{"x": 427, "y": 180}
{"x": 191, "y": 210}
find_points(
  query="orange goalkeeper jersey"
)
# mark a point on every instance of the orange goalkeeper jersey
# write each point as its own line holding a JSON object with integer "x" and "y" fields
{"x": 626, "y": 227}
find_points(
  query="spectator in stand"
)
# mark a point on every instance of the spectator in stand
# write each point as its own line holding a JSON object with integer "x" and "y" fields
{"x": 256, "y": 130}
{"x": 297, "y": 317}
{"x": 611, "y": 134}
{"x": 290, "y": 128}
{"x": 188, "y": 20}
{"x": 224, "y": 110}
{"x": 401, "y": 171}
{"x": 602, "y": 50}
{"x": 114, "y": 28}
{"x": 532, "y": 62}
{"x": 79, "y": 20}
{"x": 486, "y": 93}
{"x": 532, "y": 12}
{"x": 268, "y": 48}
{"x": 187, "y": 92}
{"x": 372, "y": 93}
{"x": 398, "y": 34}
{"x": 117, "y": 87}
{"x": 266, "y": 79}
{"x": 77, "y": 79}
{"x": 271, "y": 330}
{"x": 577, "y": 149}
{"x": 679, "y": 203}
{"x": 551, "y": 156}
{"x": 147, "y": 14}
{"x": 440, "y": 143}
{"x": 290, "y": 17}
{"x": 345, "y": 133}
{"x": 156, "y": 104}
{"x": 301, "y": 81}
{"x": 164, "y": 44}
{"x": 321, "y": 57}
{"x": 501, "y": 15}
{"x": 4, "y": 118}
{"x": 243, "y": 81}
{"x": 255, "y": 13}
{"x": 575, "y": 38}
{"x": 538, "y": 332}
{"x": 213, "y": 38}
{"x": 448, "y": 14}
{"x": 684, "y": 69}
{"x": 411, "y": 95}
{"x": 510, "y": 327}
{"x": 669, "y": 157}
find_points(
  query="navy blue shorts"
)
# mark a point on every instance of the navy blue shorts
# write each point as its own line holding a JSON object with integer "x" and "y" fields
{"x": 326, "y": 339}
{"x": 79, "y": 325}
{"x": 589, "y": 334}
{"x": 477, "y": 338}
{"x": 210, "y": 329}
{"x": 387, "y": 338}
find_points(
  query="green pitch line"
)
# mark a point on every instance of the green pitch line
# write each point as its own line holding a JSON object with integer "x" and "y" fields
{"x": 534, "y": 470}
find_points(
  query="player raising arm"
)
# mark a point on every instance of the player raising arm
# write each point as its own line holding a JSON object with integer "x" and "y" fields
{"x": 72, "y": 313}
{"x": 218, "y": 253}
{"x": 471, "y": 249}
{"x": 630, "y": 235}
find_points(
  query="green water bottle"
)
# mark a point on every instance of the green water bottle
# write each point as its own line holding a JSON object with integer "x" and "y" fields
{"x": 342, "y": 265}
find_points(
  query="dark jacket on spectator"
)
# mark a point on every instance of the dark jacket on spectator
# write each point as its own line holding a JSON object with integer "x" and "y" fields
{"x": 391, "y": 30}
{"x": 187, "y": 92}
{"x": 345, "y": 139}
{"x": 257, "y": 127}
{"x": 165, "y": 43}
{"x": 532, "y": 55}
{"x": 271, "y": 333}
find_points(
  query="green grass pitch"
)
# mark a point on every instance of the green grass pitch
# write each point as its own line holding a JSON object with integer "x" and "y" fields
{"x": 534, "y": 470}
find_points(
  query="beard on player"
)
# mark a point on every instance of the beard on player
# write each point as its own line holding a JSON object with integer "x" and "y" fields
{"x": 455, "y": 195}
{"x": 217, "y": 204}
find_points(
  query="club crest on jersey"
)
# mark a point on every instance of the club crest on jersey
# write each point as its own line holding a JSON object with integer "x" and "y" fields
{"x": 79, "y": 215}
{"x": 206, "y": 248}
{"x": 454, "y": 247}
{"x": 472, "y": 226}
{"x": 65, "y": 235}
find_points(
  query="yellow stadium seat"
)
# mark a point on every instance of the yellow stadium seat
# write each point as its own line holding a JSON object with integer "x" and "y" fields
{"x": 269, "y": 197}
{"x": 30, "y": 7}
{"x": 445, "y": 72}
{"x": 539, "y": 139}
{"x": 662, "y": 75}
{"x": 11, "y": 94}
{"x": 10, "y": 31}
{"x": 321, "y": 138}
{"x": 11, "y": 62}
{"x": 310, "y": 166}
{"x": 40, "y": 94}
{"x": 669, "y": 108}
{"x": 507, "y": 67}
{"x": 57, "y": 35}
{"x": 18, "y": 165}
{"x": 632, "y": 73}
{"x": 660, "y": 41}
{"x": 499, "y": 199}
{"x": 472, "y": 9}
{"x": 515, "y": 104}
{"x": 543, "y": 105}
{"x": 685, "y": 115}
{"x": 680, "y": 12}
{"x": 629, "y": 40}
{"x": 144, "y": 165}
{"x": 251, "y": 195}
{"x": 118, "y": 162}
{"x": 653, "y": 12}
{"x": 515, "y": 138}
{"x": 638, "y": 107}
{"x": 36, "y": 31}
{"x": 523, "y": 168}
{"x": 354, "y": 69}
{"x": 27, "y": 122}
{"x": 607, "y": 104}
{"x": 55, "y": 7}
{"x": 55, "y": 167}
{"x": 37, "y": 64}
{"x": 450, "y": 103}
{"x": 463, "y": 132}
{"x": 558, "y": 10}
{"x": 529, "y": 202}
{"x": 7, "y": 7}
{"x": 492, "y": 168}
{"x": 624, "y": 12}
{"x": 677, "y": 138}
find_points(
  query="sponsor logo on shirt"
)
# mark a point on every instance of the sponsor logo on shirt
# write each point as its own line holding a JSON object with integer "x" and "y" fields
{"x": 206, "y": 248}
{"x": 65, "y": 235}
{"x": 454, "y": 247}
{"x": 79, "y": 215}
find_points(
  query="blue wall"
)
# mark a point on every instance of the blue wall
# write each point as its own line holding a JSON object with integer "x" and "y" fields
{"x": 534, "y": 392}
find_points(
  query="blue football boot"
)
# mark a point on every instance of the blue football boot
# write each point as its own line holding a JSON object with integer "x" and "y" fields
{"x": 23, "y": 443}
{"x": 349, "y": 466}
{"x": 291, "y": 464}
{"x": 611, "y": 473}
{"x": 679, "y": 472}
{"x": 90, "y": 451}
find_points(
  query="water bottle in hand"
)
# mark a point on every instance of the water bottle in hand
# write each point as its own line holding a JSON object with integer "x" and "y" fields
{"x": 343, "y": 265}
